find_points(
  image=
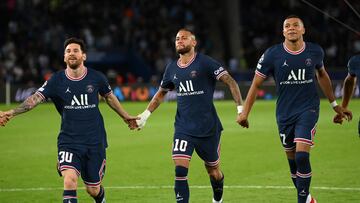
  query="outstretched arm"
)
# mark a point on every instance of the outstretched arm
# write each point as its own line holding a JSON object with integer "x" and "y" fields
{"x": 153, "y": 105}
{"x": 235, "y": 92}
{"x": 250, "y": 100}
{"x": 114, "y": 103}
{"x": 326, "y": 87}
{"x": 30, "y": 103}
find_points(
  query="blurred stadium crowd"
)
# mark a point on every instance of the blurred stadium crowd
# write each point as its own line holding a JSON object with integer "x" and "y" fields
{"x": 33, "y": 31}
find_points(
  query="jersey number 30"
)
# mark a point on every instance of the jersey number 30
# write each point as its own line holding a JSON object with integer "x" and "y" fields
{"x": 65, "y": 156}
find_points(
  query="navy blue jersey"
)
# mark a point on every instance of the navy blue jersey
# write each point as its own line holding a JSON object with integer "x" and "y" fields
{"x": 294, "y": 74}
{"x": 354, "y": 67}
{"x": 195, "y": 84}
{"x": 77, "y": 102}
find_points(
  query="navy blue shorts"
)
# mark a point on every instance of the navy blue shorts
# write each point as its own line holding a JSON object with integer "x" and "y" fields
{"x": 208, "y": 148}
{"x": 87, "y": 162}
{"x": 302, "y": 130}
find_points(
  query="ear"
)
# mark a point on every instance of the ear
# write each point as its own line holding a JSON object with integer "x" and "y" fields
{"x": 84, "y": 57}
{"x": 194, "y": 43}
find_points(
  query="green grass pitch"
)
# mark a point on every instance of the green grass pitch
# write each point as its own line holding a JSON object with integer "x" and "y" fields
{"x": 140, "y": 169}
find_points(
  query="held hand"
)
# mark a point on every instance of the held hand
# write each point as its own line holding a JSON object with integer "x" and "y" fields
{"x": 343, "y": 114}
{"x": 242, "y": 120}
{"x": 131, "y": 121}
{"x": 338, "y": 119}
{"x": 143, "y": 118}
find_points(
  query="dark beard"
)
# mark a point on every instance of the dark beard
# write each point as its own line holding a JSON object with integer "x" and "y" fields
{"x": 73, "y": 65}
{"x": 184, "y": 50}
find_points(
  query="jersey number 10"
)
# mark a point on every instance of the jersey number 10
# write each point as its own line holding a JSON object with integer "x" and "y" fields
{"x": 180, "y": 145}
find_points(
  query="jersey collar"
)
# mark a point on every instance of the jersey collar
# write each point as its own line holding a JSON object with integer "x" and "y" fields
{"x": 78, "y": 78}
{"x": 295, "y": 52}
{"x": 188, "y": 64}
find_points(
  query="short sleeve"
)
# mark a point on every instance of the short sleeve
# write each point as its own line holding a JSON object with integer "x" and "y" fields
{"x": 264, "y": 66}
{"x": 104, "y": 86}
{"x": 352, "y": 65}
{"x": 47, "y": 90}
{"x": 320, "y": 63}
{"x": 216, "y": 69}
{"x": 166, "y": 82}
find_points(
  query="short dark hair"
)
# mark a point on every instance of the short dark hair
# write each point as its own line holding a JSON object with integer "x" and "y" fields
{"x": 187, "y": 30}
{"x": 75, "y": 40}
{"x": 294, "y": 16}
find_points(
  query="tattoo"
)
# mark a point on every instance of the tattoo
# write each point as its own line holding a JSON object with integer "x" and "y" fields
{"x": 234, "y": 88}
{"x": 157, "y": 99}
{"x": 28, "y": 104}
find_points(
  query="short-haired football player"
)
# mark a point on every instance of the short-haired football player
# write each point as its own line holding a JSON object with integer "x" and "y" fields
{"x": 82, "y": 139}
{"x": 294, "y": 65}
{"x": 197, "y": 126}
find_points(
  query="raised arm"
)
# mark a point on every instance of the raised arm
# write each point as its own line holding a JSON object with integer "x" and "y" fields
{"x": 326, "y": 87}
{"x": 250, "y": 100}
{"x": 30, "y": 103}
{"x": 114, "y": 103}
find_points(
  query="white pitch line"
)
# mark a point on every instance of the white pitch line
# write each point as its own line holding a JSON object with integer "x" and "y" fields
{"x": 170, "y": 187}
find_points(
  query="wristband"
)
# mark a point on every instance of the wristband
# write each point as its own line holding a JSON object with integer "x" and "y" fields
{"x": 333, "y": 104}
{"x": 146, "y": 114}
{"x": 239, "y": 109}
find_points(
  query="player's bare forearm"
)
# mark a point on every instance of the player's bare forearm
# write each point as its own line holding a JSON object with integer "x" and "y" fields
{"x": 114, "y": 103}
{"x": 157, "y": 100}
{"x": 325, "y": 84}
{"x": 252, "y": 94}
{"x": 234, "y": 88}
{"x": 30, "y": 103}
{"x": 349, "y": 86}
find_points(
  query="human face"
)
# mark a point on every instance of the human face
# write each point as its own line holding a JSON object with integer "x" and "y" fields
{"x": 74, "y": 56}
{"x": 184, "y": 42}
{"x": 293, "y": 29}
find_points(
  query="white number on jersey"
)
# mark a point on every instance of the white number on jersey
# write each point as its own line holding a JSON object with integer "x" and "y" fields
{"x": 180, "y": 145}
{"x": 65, "y": 156}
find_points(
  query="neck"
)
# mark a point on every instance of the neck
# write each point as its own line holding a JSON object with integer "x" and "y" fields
{"x": 185, "y": 58}
{"x": 294, "y": 46}
{"x": 76, "y": 73}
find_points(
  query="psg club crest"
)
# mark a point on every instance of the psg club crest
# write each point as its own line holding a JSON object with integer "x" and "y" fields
{"x": 308, "y": 62}
{"x": 193, "y": 74}
{"x": 89, "y": 89}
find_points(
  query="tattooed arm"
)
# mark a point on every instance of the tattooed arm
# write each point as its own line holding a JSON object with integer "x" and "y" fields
{"x": 235, "y": 92}
{"x": 30, "y": 103}
{"x": 234, "y": 88}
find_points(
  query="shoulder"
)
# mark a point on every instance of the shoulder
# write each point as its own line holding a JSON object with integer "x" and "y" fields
{"x": 354, "y": 61}
{"x": 57, "y": 75}
{"x": 277, "y": 48}
{"x": 355, "y": 58}
{"x": 172, "y": 64}
{"x": 270, "y": 52}
{"x": 205, "y": 58}
{"x": 314, "y": 47}
{"x": 94, "y": 73}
